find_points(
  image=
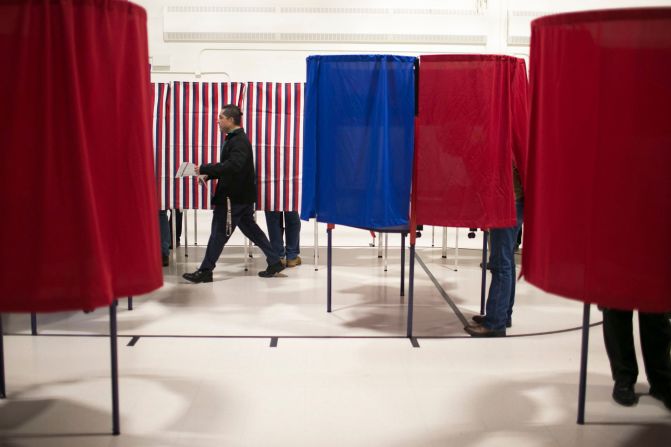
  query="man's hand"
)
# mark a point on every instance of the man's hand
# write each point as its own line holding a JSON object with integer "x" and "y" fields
{"x": 197, "y": 169}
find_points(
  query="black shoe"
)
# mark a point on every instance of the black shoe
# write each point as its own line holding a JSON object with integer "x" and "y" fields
{"x": 166, "y": 260}
{"x": 272, "y": 270}
{"x": 624, "y": 394}
{"x": 481, "y": 331}
{"x": 199, "y": 276}
{"x": 480, "y": 319}
{"x": 663, "y": 395}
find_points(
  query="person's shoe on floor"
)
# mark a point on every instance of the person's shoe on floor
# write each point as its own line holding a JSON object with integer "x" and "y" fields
{"x": 165, "y": 260}
{"x": 624, "y": 394}
{"x": 480, "y": 319}
{"x": 662, "y": 394}
{"x": 198, "y": 276}
{"x": 482, "y": 331}
{"x": 272, "y": 270}
{"x": 294, "y": 262}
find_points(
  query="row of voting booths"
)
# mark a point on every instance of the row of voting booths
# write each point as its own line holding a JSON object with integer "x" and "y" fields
{"x": 390, "y": 142}
{"x": 393, "y": 142}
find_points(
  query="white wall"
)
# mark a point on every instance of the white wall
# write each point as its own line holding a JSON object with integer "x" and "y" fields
{"x": 242, "y": 41}
{"x": 225, "y": 40}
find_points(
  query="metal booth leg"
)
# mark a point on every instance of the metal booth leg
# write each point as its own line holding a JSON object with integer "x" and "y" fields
{"x": 116, "y": 430}
{"x": 582, "y": 388}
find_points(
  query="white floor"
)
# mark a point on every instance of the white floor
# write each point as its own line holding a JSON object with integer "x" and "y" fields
{"x": 203, "y": 372}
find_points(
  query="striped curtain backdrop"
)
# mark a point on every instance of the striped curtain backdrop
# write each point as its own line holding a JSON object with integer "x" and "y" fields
{"x": 195, "y": 137}
{"x": 273, "y": 117}
{"x": 161, "y": 140}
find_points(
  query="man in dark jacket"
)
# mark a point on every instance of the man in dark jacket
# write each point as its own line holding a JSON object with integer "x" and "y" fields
{"x": 234, "y": 198}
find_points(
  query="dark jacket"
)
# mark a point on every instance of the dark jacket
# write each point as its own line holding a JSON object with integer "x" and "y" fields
{"x": 234, "y": 172}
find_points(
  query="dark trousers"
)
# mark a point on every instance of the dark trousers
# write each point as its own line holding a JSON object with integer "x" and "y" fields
{"x": 179, "y": 215}
{"x": 164, "y": 227}
{"x": 291, "y": 230}
{"x": 655, "y": 332}
{"x": 501, "y": 297}
{"x": 242, "y": 216}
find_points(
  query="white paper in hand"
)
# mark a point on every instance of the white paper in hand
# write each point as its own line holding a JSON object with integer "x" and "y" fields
{"x": 186, "y": 169}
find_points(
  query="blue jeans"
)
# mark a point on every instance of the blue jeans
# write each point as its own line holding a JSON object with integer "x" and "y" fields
{"x": 164, "y": 228}
{"x": 292, "y": 231}
{"x": 501, "y": 296}
{"x": 242, "y": 215}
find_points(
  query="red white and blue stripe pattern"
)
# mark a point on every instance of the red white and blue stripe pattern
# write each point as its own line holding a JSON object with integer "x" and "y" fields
{"x": 160, "y": 139}
{"x": 185, "y": 129}
{"x": 195, "y": 136}
{"x": 273, "y": 118}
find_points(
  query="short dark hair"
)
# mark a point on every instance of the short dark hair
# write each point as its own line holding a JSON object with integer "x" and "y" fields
{"x": 232, "y": 111}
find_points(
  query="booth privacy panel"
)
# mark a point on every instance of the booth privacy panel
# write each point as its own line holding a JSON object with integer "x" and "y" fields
{"x": 194, "y": 137}
{"x": 472, "y": 123}
{"x": 274, "y": 125}
{"x": 359, "y": 132}
{"x": 185, "y": 116}
{"x": 77, "y": 187}
{"x": 598, "y": 203}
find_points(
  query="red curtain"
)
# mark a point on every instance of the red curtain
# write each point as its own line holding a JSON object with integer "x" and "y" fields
{"x": 598, "y": 203}
{"x": 472, "y": 121}
{"x": 79, "y": 215}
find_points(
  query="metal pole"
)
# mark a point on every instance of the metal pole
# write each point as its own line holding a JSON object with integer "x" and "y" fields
{"x": 245, "y": 249}
{"x": 484, "y": 272}
{"x": 402, "y": 264}
{"x": 379, "y": 245}
{"x": 33, "y": 323}
{"x": 329, "y": 267}
{"x": 444, "y": 255}
{"x": 316, "y": 253}
{"x": 195, "y": 227}
{"x": 411, "y": 289}
{"x": 116, "y": 430}
{"x": 186, "y": 233}
{"x": 456, "y": 250}
{"x": 582, "y": 388}
{"x": 433, "y": 236}
{"x": 386, "y": 249}
{"x": 2, "y": 363}
{"x": 173, "y": 219}
{"x": 130, "y": 303}
{"x": 249, "y": 242}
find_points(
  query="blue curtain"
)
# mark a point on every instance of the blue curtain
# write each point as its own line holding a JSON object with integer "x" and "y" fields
{"x": 358, "y": 140}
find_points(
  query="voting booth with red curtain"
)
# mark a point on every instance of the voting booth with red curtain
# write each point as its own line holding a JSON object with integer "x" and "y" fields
{"x": 598, "y": 202}
{"x": 471, "y": 125}
{"x": 76, "y": 165}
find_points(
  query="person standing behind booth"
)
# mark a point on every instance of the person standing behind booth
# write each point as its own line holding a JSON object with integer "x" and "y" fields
{"x": 165, "y": 229}
{"x": 234, "y": 198}
{"x": 501, "y": 296}
{"x": 291, "y": 230}
{"x": 618, "y": 335}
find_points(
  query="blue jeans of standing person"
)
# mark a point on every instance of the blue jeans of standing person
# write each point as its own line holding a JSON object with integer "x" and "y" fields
{"x": 501, "y": 296}
{"x": 291, "y": 231}
{"x": 164, "y": 228}
{"x": 242, "y": 215}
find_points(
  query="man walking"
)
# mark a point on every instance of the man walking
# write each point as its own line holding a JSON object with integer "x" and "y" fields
{"x": 234, "y": 198}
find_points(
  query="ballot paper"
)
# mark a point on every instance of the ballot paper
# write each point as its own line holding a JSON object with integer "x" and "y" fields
{"x": 186, "y": 169}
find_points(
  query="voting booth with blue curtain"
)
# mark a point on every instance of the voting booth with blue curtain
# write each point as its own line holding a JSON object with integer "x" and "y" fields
{"x": 359, "y": 133}
{"x": 358, "y": 146}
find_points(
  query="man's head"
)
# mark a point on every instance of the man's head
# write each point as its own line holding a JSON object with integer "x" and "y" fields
{"x": 230, "y": 117}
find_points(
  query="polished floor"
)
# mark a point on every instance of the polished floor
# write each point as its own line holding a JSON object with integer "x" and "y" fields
{"x": 246, "y": 361}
